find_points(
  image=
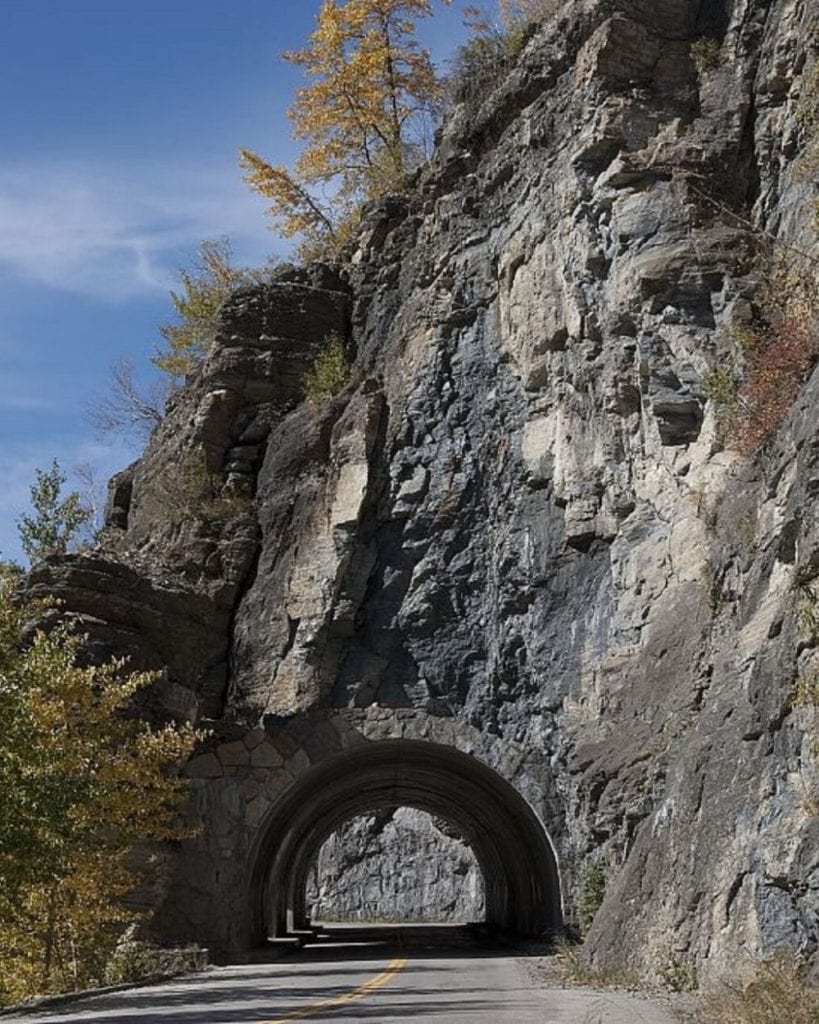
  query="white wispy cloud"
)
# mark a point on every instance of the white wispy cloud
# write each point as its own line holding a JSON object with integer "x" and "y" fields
{"x": 115, "y": 231}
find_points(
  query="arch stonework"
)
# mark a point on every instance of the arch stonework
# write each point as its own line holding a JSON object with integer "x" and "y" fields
{"x": 266, "y": 799}
{"x": 510, "y": 844}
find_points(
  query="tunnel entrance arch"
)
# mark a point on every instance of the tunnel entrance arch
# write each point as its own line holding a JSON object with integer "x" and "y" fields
{"x": 511, "y": 845}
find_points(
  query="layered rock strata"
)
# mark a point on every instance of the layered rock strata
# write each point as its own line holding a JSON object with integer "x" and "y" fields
{"x": 518, "y": 521}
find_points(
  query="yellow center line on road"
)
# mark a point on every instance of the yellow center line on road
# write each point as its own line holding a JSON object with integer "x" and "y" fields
{"x": 352, "y": 996}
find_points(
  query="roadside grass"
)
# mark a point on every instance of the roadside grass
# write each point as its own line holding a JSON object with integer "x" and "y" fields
{"x": 571, "y": 971}
{"x": 778, "y": 993}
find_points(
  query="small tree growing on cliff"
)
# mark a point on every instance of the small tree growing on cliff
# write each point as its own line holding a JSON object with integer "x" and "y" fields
{"x": 127, "y": 407}
{"x": 364, "y": 116}
{"x": 205, "y": 287}
{"x": 329, "y": 373}
{"x": 56, "y": 519}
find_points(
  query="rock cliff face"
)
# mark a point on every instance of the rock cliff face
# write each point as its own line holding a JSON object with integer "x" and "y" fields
{"x": 517, "y": 516}
{"x": 398, "y": 865}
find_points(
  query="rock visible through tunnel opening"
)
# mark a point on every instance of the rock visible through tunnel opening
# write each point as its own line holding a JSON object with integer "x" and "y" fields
{"x": 397, "y": 864}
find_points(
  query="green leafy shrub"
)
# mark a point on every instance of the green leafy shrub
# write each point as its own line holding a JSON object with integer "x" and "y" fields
{"x": 591, "y": 893}
{"x": 330, "y": 372}
{"x": 56, "y": 520}
{"x": 705, "y": 52}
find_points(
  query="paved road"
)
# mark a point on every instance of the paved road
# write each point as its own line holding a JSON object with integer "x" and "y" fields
{"x": 385, "y": 976}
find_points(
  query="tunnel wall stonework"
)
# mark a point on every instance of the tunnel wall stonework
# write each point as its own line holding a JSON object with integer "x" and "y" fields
{"x": 237, "y": 783}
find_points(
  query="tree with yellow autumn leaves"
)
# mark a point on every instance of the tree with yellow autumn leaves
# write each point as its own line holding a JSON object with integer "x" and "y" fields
{"x": 365, "y": 117}
{"x": 83, "y": 781}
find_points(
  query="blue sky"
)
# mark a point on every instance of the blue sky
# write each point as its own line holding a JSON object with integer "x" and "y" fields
{"x": 119, "y": 131}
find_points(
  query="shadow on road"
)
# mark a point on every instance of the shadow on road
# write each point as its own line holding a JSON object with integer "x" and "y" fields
{"x": 377, "y": 941}
{"x": 241, "y": 992}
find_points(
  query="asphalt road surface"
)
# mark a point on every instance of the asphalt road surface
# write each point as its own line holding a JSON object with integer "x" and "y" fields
{"x": 389, "y": 975}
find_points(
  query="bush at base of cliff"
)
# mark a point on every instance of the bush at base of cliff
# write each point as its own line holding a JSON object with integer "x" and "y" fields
{"x": 592, "y": 892}
{"x": 573, "y": 970}
{"x": 134, "y": 960}
{"x": 778, "y": 994}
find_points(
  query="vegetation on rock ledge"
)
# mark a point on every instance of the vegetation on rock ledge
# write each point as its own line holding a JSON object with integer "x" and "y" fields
{"x": 329, "y": 373}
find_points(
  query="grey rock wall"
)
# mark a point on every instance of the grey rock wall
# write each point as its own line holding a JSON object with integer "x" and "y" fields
{"x": 518, "y": 516}
{"x": 397, "y": 865}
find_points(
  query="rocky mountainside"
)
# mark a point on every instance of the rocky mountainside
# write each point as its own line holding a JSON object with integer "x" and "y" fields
{"x": 519, "y": 514}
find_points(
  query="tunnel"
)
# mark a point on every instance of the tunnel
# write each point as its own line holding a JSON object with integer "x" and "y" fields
{"x": 512, "y": 848}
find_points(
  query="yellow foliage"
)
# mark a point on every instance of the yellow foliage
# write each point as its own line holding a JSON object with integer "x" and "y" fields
{"x": 204, "y": 289}
{"x": 292, "y": 206}
{"x": 82, "y": 782}
{"x": 364, "y": 117}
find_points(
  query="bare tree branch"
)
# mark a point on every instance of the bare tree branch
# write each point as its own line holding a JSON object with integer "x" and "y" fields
{"x": 128, "y": 408}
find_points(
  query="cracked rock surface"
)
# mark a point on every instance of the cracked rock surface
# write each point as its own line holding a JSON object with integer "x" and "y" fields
{"x": 397, "y": 865}
{"x": 517, "y": 515}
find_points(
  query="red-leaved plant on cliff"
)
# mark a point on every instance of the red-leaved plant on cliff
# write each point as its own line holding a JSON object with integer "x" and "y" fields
{"x": 778, "y": 359}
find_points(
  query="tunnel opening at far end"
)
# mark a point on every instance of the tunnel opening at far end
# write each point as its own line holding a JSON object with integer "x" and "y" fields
{"x": 393, "y": 865}
{"x": 512, "y": 849}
